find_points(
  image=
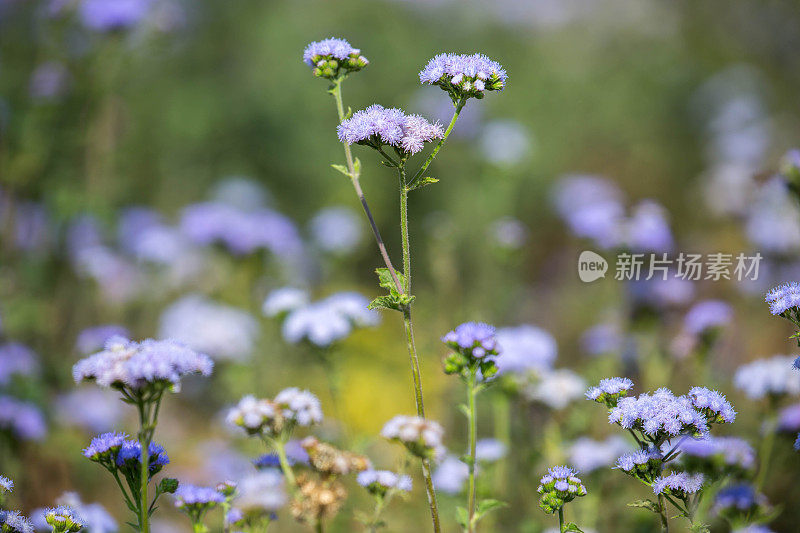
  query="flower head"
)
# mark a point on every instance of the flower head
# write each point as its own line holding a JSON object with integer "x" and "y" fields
{"x": 377, "y": 126}
{"x": 784, "y": 299}
{"x": 256, "y": 415}
{"x": 717, "y": 455}
{"x": 767, "y": 377}
{"x": 588, "y": 455}
{"x": 299, "y": 406}
{"x": 16, "y": 359}
{"x": 473, "y": 344}
{"x": 560, "y": 485}
{"x": 644, "y": 465}
{"x": 382, "y": 481}
{"x": 104, "y": 448}
{"x": 707, "y": 316}
{"x": 713, "y": 404}
{"x": 284, "y": 300}
{"x": 525, "y": 348}
{"x": 610, "y": 390}
{"x": 660, "y": 415}
{"x": 63, "y": 519}
{"x": 329, "y": 320}
{"x": 24, "y": 420}
{"x": 556, "y": 388}
{"x": 195, "y": 500}
{"x": 130, "y": 454}
{"x": 678, "y": 484}
{"x": 330, "y": 58}
{"x": 6, "y": 485}
{"x": 422, "y": 437}
{"x": 738, "y": 499}
{"x": 136, "y": 365}
{"x": 464, "y": 75}
{"x": 14, "y": 522}
{"x": 113, "y": 15}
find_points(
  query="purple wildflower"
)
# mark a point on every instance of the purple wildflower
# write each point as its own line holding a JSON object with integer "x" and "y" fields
{"x": 113, "y": 15}
{"x": 609, "y": 386}
{"x": 525, "y": 348}
{"x": 789, "y": 418}
{"x": 464, "y": 76}
{"x": 105, "y": 446}
{"x": 381, "y": 481}
{"x": 95, "y": 338}
{"x": 660, "y": 415}
{"x": 16, "y": 359}
{"x": 63, "y": 518}
{"x": 706, "y": 316}
{"x": 138, "y": 364}
{"x": 713, "y": 404}
{"x": 188, "y": 496}
{"x": 14, "y": 522}
{"x": 732, "y": 450}
{"x": 377, "y": 126}
{"x": 588, "y": 455}
{"x": 22, "y": 419}
{"x": 476, "y": 338}
{"x": 329, "y": 57}
{"x": 741, "y": 497}
{"x": 790, "y": 165}
{"x": 784, "y": 298}
{"x": 634, "y": 460}
{"x": 6, "y": 485}
{"x": 679, "y": 484}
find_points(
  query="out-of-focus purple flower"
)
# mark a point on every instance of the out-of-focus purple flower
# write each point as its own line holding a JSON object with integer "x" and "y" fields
{"x": 732, "y": 450}
{"x": 189, "y": 496}
{"x": 378, "y": 126}
{"x": 336, "y": 230}
{"x": 490, "y": 450}
{"x": 83, "y": 232}
{"x": 741, "y": 497}
{"x": 557, "y": 388}
{"x": 707, "y": 315}
{"x": 592, "y": 208}
{"x": 16, "y": 359}
{"x": 262, "y": 492}
{"x": 525, "y": 348}
{"x": 381, "y": 481}
{"x": 505, "y": 143}
{"x": 509, "y": 233}
{"x": 94, "y": 338}
{"x": 23, "y": 420}
{"x": 113, "y": 15}
{"x": 15, "y": 522}
{"x": 603, "y": 338}
{"x": 789, "y": 418}
{"x": 768, "y": 377}
{"x": 138, "y": 364}
{"x": 284, "y": 300}
{"x": 241, "y": 193}
{"x": 221, "y": 331}
{"x": 662, "y": 293}
{"x": 118, "y": 278}
{"x": 648, "y": 229}
{"x": 93, "y": 409}
{"x": 326, "y": 321}
{"x": 588, "y": 455}
{"x": 32, "y": 223}
{"x": 242, "y": 232}
{"x": 450, "y": 475}
{"x": 772, "y": 220}
{"x": 48, "y": 81}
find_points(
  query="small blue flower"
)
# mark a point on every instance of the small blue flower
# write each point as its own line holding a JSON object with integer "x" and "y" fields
{"x": 463, "y": 75}
{"x": 797, "y": 443}
{"x": 609, "y": 387}
{"x": 629, "y": 461}
{"x": 714, "y": 404}
{"x": 679, "y": 484}
{"x": 6, "y": 485}
{"x": 381, "y": 481}
{"x": 329, "y": 57}
{"x": 559, "y": 486}
{"x": 105, "y": 446}
{"x": 269, "y": 460}
{"x": 14, "y": 522}
{"x": 706, "y": 316}
{"x": 784, "y": 298}
{"x": 16, "y": 359}
{"x": 377, "y": 126}
{"x": 476, "y": 338}
{"x": 64, "y": 519}
{"x": 195, "y": 496}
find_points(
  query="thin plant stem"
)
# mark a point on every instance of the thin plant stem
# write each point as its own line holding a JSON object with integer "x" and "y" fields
{"x": 380, "y": 503}
{"x": 459, "y": 106}
{"x": 146, "y": 429}
{"x": 473, "y": 437}
{"x": 662, "y": 509}
{"x": 318, "y": 526}
{"x": 354, "y": 179}
{"x": 279, "y": 445}
{"x": 412, "y": 350}
{"x": 561, "y": 519}
{"x": 765, "y": 452}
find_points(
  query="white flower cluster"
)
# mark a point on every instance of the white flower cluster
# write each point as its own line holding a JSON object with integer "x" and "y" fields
{"x": 290, "y": 407}
{"x": 422, "y": 437}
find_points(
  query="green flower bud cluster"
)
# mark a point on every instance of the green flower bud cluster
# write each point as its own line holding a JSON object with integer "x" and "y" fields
{"x": 558, "y": 487}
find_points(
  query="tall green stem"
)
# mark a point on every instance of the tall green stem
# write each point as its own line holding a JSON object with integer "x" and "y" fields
{"x": 432, "y": 156}
{"x": 148, "y": 415}
{"x": 412, "y": 349}
{"x": 765, "y": 452}
{"x": 473, "y": 438}
{"x": 662, "y": 508}
{"x": 336, "y": 90}
{"x": 279, "y": 445}
{"x": 561, "y": 519}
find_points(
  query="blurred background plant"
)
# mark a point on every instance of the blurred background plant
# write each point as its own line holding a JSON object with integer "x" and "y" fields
{"x": 164, "y": 167}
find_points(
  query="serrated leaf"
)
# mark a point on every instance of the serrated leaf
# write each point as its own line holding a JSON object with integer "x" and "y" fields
{"x": 423, "y": 182}
{"x": 645, "y": 504}
{"x": 386, "y": 280}
{"x": 487, "y": 506}
{"x": 384, "y": 302}
{"x": 571, "y": 527}
{"x": 342, "y": 169}
{"x": 462, "y": 517}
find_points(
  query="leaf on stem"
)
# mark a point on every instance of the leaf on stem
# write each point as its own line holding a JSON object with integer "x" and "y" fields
{"x": 342, "y": 169}
{"x": 571, "y": 527}
{"x": 422, "y": 182}
{"x": 394, "y": 300}
{"x": 646, "y": 504}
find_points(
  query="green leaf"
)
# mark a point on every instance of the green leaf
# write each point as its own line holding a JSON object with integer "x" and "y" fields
{"x": 462, "y": 516}
{"x": 646, "y": 504}
{"x": 349, "y": 113}
{"x": 342, "y": 169}
{"x": 571, "y": 527}
{"x": 464, "y": 409}
{"x": 384, "y": 302}
{"x": 487, "y": 506}
{"x": 423, "y": 182}
{"x": 357, "y": 166}
{"x": 386, "y": 280}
